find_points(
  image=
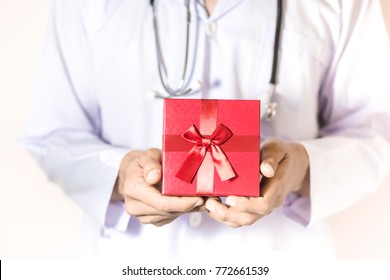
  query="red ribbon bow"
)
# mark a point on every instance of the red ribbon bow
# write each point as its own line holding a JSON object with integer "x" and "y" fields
{"x": 194, "y": 159}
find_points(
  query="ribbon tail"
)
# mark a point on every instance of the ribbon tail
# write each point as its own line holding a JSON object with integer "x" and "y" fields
{"x": 191, "y": 164}
{"x": 222, "y": 164}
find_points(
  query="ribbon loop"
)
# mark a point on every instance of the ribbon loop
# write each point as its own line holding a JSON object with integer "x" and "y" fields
{"x": 195, "y": 156}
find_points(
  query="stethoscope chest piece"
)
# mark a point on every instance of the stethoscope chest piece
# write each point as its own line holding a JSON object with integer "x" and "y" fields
{"x": 270, "y": 111}
{"x": 268, "y": 105}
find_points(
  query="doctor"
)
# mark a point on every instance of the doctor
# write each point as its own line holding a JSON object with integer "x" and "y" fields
{"x": 96, "y": 134}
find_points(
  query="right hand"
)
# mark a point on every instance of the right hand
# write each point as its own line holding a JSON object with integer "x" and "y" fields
{"x": 139, "y": 183}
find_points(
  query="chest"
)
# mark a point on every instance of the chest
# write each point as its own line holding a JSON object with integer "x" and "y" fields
{"x": 230, "y": 53}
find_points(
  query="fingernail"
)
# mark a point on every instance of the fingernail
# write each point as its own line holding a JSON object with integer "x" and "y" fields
{"x": 153, "y": 176}
{"x": 231, "y": 202}
{"x": 267, "y": 169}
{"x": 211, "y": 208}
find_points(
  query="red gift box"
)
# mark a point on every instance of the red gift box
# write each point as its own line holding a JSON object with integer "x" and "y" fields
{"x": 211, "y": 147}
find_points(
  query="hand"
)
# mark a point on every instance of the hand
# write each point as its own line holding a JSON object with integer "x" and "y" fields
{"x": 139, "y": 182}
{"x": 284, "y": 168}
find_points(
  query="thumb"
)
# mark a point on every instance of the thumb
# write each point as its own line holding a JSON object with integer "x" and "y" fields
{"x": 151, "y": 165}
{"x": 272, "y": 153}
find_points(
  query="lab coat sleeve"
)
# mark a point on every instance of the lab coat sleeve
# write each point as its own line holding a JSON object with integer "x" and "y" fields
{"x": 64, "y": 130}
{"x": 351, "y": 157}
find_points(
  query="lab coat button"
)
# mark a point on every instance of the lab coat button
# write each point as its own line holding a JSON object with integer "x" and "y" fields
{"x": 195, "y": 219}
{"x": 212, "y": 28}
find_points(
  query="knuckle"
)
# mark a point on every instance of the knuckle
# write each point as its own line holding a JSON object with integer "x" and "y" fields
{"x": 265, "y": 207}
{"x": 273, "y": 146}
{"x": 162, "y": 205}
{"x": 152, "y": 153}
{"x": 276, "y": 142}
{"x": 271, "y": 143}
{"x": 150, "y": 161}
{"x": 133, "y": 156}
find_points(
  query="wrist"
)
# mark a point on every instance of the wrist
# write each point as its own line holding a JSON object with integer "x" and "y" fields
{"x": 302, "y": 169}
{"x": 117, "y": 191}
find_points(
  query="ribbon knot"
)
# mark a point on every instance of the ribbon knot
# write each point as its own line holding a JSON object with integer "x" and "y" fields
{"x": 195, "y": 156}
{"x": 206, "y": 142}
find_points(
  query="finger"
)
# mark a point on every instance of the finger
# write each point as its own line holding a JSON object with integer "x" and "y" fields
{"x": 152, "y": 197}
{"x": 136, "y": 188}
{"x": 170, "y": 214}
{"x": 203, "y": 207}
{"x": 136, "y": 208}
{"x": 164, "y": 222}
{"x": 273, "y": 196}
{"x": 155, "y": 219}
{"x": 229, "y": 215}
{"x": 151, "y": 165}
{"x": 270, "y": 192}
{"x": 231, "y": 225}
{"x": 272, "y": 153}
{"x": 251, "y": 205}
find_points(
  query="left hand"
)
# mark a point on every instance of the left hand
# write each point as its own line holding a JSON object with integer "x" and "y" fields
{"x": 284, "y": 168}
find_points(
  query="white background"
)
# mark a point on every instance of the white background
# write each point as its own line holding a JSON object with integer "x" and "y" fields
{"x": 37, "y": 221}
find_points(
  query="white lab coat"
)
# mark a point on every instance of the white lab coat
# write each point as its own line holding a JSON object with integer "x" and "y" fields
{"x": 333, "y": 91}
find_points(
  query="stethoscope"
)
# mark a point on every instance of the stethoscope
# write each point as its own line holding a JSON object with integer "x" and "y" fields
{"x": 184, "y": 87}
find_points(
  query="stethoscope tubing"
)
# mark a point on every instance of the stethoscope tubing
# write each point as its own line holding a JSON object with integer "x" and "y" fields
{"x": 181, "y": 87}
